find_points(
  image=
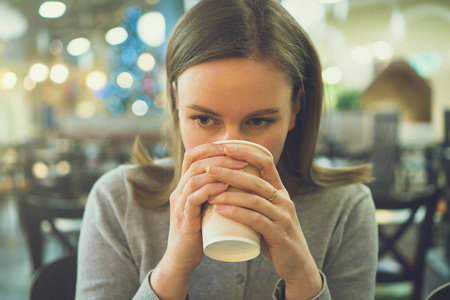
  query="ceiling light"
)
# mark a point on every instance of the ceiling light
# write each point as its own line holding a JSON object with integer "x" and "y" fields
{"x": 52, "y": 9}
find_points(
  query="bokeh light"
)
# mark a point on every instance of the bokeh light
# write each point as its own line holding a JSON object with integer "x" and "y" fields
{"x": 38, "y": 72}
{"x": 116, "y": 36}
{"x": 139, "y": 108}
{"x": 52, "y": 9}
{"x": 160, "y": 101}
{"x": 40, "y": 170}
{"x": 332, "y": 75}
{"x": 151, "y": 28}
{"x": 125, "y": 80}
{"x": 9, "y": 80}
{"x": 382, "y": 50}
{"x": 78, "y": 46}
{"x": 96, "y": 80}
{"x": 55, "y": 47}
{"x": 63, "y": 167}
{"x": 28, "y": 83}
{"x": 85, "y": 109}
{"x": 146, "y": 62}
{"x": 59, "y": 73}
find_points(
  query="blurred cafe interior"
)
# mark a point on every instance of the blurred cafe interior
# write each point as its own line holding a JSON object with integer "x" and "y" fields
{"x": 80, "y": 79}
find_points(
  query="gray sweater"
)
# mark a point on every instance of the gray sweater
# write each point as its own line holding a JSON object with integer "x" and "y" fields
{"x": 121, "y": 243}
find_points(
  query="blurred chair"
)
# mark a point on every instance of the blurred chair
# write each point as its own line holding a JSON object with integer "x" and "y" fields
{"x": 396, "y": 216}
{"x": 56, "y": 280}
{"x": 385, "y": 151}
{"x": 36, "y": 209}
{"x": 441, "y": 293}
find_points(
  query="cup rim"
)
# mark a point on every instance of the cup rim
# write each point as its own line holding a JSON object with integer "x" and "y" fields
{"x": 243, "y": 142}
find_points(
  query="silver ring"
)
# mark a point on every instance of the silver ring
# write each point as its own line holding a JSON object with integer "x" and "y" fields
{"x": 275, "y": 191}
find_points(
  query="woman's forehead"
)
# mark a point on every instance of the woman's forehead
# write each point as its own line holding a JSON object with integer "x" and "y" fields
{"x": 233, "y": 77}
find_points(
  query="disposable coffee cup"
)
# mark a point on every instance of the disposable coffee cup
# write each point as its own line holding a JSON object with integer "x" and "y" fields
{"x": 225, "y": 239}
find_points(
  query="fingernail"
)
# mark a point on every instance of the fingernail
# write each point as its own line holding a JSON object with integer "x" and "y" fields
{"x": 212, "y": 170}
{"x": 221, "y": 147}
{"x": 223, "y": 185}
{"x": 220, "y": 207}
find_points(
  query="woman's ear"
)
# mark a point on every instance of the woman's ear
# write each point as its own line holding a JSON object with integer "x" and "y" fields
{"x": 296, "y": 105}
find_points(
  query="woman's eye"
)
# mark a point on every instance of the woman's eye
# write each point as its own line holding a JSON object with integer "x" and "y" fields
{"x": 258, "y": 122}
{"x": 202, "y": 121}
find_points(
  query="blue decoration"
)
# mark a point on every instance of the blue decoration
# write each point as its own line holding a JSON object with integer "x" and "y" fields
{"x": 124, "y": 59}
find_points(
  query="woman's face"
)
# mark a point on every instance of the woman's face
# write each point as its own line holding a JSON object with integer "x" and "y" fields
{"x": 235, "y": 99}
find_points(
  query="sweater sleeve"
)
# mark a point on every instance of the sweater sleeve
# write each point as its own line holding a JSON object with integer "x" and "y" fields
{"x": 106, "y": 269}
{"x": 350, "y": 265}
{"x": 279, "y": 292}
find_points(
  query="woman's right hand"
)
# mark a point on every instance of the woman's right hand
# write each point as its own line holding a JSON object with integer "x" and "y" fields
{"x": 184, "y": 250}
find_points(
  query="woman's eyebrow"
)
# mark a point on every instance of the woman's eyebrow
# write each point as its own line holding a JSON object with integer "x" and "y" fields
{"x": 260, "y": 112}
{"x": 203, "y": 109}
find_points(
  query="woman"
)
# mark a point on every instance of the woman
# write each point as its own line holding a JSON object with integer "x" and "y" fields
{"x": 236, "y": 69}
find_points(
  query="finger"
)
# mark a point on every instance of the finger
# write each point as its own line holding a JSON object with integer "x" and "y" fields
{"x": 199, "y": 152}
{"x": 262, "y": 162}
{"x": 196, "y": 182}
{"x": 242, "y": 180}
{"x": 196, "y": 199}
{"x": 184, "y": 190}
{"x": 260, "y": 223}
{"x": 248, "y": 201}
{"x": 199, "y": 166}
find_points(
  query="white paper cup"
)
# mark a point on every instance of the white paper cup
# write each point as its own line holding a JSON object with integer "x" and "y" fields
{"x": 225, "y": 239}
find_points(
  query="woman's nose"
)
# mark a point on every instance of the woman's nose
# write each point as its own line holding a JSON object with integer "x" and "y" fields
{"x": 232, "y": 134}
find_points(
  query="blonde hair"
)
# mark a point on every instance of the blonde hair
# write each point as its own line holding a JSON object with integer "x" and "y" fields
{"x": 264, "y": 31}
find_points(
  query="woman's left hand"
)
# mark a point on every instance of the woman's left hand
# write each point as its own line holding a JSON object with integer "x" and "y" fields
{"x": 276, "y": 220}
